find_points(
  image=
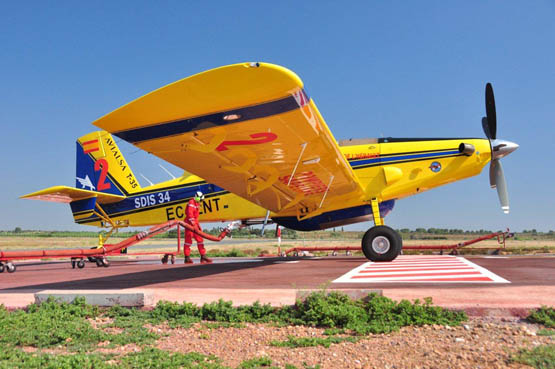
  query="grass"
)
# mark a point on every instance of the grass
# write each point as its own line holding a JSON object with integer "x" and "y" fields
{"x": 150, "y": 358}
{"x": 32, "y": 240}
{"x": 544, "y": 315}
{"x": 67, "y": 327}
{"x": 540, "y": 357}
{"x": 53, "y": 324}
{"x": 144, "y": 359}
{"x": 313, "y": 341}
{"x": 376, "y": 314}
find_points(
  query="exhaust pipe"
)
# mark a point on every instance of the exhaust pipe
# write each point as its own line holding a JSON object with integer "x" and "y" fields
{"x": 466, "y": 149}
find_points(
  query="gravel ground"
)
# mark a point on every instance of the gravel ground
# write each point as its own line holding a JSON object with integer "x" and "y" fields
{"x": 480, "y": 343}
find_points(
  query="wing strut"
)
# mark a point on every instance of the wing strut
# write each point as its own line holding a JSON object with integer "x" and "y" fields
{"x": 325, "y": 193}
{"x": 303, "y": 145}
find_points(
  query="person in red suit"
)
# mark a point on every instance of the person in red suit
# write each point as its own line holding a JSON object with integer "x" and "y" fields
{"x": 191, "y": 217}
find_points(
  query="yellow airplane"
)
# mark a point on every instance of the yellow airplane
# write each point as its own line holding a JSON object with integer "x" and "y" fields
{"x": 258, "y": 145}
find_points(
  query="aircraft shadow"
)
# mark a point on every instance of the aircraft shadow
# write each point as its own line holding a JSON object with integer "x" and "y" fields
{"x": 147, "y": 278}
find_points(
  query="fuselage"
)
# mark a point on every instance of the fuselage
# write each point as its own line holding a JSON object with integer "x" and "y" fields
{"x": 387, "y": 168}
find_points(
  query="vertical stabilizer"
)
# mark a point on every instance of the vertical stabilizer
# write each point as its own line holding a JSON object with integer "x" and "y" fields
{"x": 101, "y": 166}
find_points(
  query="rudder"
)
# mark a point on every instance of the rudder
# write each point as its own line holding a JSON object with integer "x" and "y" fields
{"x": 100, "y": 166}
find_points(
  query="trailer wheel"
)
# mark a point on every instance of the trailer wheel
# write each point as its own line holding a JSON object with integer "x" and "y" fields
{"x": 381, "y": 243}
{"x": 172, "y": 259}
{"x": 165, "y": 259}
{"x": 73, "y": 264}
{"x": 105, "y": 262}
{"x": 2, "y": 268}
{"x": 10, "y": 267}
{"x": 81, "y": 264}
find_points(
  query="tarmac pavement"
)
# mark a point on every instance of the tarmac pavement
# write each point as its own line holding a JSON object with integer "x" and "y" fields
{"x": 279, "y": 281}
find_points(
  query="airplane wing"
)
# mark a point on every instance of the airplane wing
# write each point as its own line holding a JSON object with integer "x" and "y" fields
{"x": 68, "y": 194}
{"x": 250, "y": 128}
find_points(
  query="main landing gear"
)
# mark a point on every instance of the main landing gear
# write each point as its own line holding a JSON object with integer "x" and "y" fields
{"x": 381, "y": 243}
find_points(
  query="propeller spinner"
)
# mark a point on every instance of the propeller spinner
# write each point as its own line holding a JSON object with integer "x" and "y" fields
{"x": 499, "y": 149}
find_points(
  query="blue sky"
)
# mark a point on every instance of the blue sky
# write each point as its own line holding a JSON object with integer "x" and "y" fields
{"x": 395, "y": 68}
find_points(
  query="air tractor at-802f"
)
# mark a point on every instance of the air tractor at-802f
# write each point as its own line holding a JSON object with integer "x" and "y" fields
{"x": 259, "y": 148}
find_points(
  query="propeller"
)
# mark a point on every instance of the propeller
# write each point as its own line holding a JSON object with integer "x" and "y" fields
{"x": 499, "y": 149}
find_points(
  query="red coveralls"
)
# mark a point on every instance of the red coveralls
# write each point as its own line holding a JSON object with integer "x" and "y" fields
{"x": 191, "y": 217}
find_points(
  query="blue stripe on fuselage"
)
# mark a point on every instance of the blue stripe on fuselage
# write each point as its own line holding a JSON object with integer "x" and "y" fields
{"x": 155, "y": 199}
{"x": 380, "y": 160}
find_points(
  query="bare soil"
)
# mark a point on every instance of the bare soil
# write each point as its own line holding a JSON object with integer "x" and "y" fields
{"x": 480, "y": 343}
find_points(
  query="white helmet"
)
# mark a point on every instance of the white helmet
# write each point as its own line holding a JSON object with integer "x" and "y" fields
{"x": 199, "y": 196}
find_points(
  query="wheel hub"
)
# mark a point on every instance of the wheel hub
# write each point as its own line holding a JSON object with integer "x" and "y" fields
{"x": 381, "y": 245}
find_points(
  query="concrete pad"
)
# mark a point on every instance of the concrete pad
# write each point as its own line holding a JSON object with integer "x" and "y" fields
{"x": 16, "y": 300}
{"x": 95, "y": 297}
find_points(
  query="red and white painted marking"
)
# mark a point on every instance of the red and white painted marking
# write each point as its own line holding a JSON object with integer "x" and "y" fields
{"x": 421, "y": 269}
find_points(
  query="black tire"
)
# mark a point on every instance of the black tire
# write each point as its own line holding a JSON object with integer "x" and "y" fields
{"x": 381, "y": 243}
{"x": 81, "y": 264}
{"x": 2, "y": 267}
{"x": 10, "y": 267}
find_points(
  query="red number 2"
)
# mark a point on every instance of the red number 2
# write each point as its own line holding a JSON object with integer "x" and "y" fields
{"x": 101, "y": 164}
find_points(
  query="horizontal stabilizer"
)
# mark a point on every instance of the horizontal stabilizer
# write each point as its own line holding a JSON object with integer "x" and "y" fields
{"x": 67, "y": 194}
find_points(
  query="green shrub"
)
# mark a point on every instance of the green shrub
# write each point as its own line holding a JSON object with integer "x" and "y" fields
{"x": 256, "y": 363}
{"x": 376, "y": 314}
{"x": 544, "y": 315}
{"x": 540, "y": 357}
{"x": 53, "y": 324}
{"x": 313, "y": 341}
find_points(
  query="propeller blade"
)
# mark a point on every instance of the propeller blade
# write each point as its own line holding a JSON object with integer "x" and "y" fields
{"x": 492, "y": 169}
{"x": 485, "y": 126}
{"x": 501, "y": 186}
{"x": 490, "y": 112}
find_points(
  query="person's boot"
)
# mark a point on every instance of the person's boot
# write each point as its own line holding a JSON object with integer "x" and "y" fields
{"x": 205, "y": 260}
{"x": 188, "y": 260}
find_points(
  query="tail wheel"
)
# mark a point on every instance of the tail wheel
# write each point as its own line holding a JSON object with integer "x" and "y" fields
{"x": 102, "y": 262}
{"x": 381, "y": 243}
